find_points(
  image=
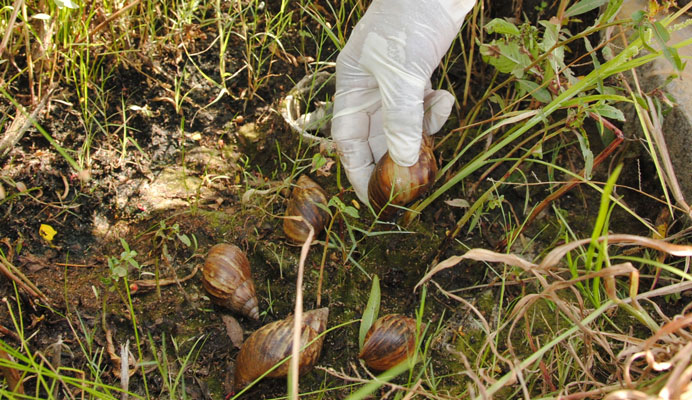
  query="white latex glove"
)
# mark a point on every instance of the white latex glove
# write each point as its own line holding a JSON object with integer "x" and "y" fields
{"x": 383, "y": 98}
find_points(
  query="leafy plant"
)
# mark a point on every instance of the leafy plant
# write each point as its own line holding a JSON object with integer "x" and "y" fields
{"x": 119, "y": 267}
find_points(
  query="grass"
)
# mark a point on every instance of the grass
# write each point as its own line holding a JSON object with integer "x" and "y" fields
{"x": 572, "y": 309}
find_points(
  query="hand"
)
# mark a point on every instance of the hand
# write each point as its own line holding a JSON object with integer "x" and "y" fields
{"x": 383, "y": 98}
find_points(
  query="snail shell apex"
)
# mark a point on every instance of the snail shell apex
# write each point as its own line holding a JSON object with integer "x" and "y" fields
{"x": 272, "y": 343}
{"x": 392, "y": 185}
{"x": 303, "y": 202}
{"x": 226, "y": 277}
{"x": 389, "y": 341}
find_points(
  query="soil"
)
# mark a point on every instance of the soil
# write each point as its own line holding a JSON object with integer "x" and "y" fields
{"x": 171, "y": 185}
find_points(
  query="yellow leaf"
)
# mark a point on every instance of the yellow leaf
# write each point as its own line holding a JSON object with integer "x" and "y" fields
{"x": 47, "y": 232}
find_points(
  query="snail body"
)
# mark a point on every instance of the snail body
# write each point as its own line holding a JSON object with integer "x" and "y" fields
{"x": 389, "y": 341}
{"x": 273, "y": 342}
{"x": 305, "y": 197}
{"x": 392, "y": 186}
{"x": 226, "y": 277}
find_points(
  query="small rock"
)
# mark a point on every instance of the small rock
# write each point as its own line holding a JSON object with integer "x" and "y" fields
{"x": 250, "y": 132}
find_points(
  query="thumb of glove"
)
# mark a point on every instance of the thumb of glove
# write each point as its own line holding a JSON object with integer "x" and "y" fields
{"x": 437, "y": 105}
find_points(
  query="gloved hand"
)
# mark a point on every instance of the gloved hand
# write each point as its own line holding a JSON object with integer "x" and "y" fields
{"x": 383, "y": 97}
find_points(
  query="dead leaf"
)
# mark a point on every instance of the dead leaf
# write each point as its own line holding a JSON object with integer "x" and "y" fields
{"x": 34, "y": 263}
{"x": 305, "y": 59}
{"x": 12, "y": 375}
{"x": 477, "y": 255}
{"x": 324, "y": 170}
{"x": 461, "y": 203}
{"x": 233, "y": 330}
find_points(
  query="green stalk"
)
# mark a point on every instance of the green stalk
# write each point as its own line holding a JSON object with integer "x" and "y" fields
{"x": 619, "y": 63}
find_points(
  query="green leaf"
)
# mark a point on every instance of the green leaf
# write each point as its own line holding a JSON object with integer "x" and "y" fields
{"x": 610, "y": 12}
{"x": 318, "y": 161}
{"x": 120, "y": 272}
{"x": 351, "y": 212}
{"x": 587, "y": 154}
{"x": 584, "y": 6}
{"x": 506, "y": 57}
{"x": 550, "y": 36}
{"x": 609, "y": 111}
{"x": 372, "y": 309}
{"x": 336, "y": 203}
{"x": 661, "y": 32}
{"x": 638, "y": 16}
{"x": 133, "y": 262}
{"x": 499, "y": 25}
{"x": 673, "y": 57}
{"x": 186, "y": 240}
{"x": 537, "y": 92}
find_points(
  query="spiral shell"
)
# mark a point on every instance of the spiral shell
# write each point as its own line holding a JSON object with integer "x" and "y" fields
{"x": 226, "y": 277}
{"x": 303, "y": 202}
{"x": 273, "y": 342}
{"x": 392, "y": 185}
{"x": 389, "y": 341}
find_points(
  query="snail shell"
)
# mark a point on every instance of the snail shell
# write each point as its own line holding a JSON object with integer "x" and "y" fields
{"x": 392, "y": 185}
{"x": 389, "y": 341}
{"x": 226, "y": 277}
{"x": 273, "y": 342}
{"x": 303, "y": 202}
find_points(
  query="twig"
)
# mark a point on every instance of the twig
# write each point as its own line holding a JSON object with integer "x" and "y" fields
{"x": 298, "y": 314}
{"x": 75, "y": 265}
{"x": 150, "y": 283}
{"x": 12, "y": 273}
{"x": 110, "y": 19}
{"x": 22, "y": 121}
{"x": 7, "y": 332}
{"x": 124, "y": 368}
{"x": 619, "y": 137}
{"x": 324, "y": 259}
{"x": 655, "y": 126}
{"x": 18, "y": 4}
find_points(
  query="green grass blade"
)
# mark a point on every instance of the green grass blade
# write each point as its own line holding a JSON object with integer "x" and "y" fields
{"x": 372, "y": 309}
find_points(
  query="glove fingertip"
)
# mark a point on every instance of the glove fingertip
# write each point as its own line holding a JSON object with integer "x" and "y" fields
{"x": 438, "y": 105}
{"x": 361, "y": 189}
{"x": 405, "y": 156}
{"x": 359, "y": 178}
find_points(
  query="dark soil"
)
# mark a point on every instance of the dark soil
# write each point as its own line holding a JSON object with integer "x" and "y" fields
{"x": 186, "y": 175}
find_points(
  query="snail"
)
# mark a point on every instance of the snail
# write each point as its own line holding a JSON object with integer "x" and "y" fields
{"x": 226, "y": 277}
{"x": 273, "y": 342}
{"x": 306, "y": 196}
{"x": 392, "y": 185}
{"x": 389, "y": 341}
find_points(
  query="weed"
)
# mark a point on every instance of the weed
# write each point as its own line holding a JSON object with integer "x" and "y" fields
{"x": 120, "y": 266}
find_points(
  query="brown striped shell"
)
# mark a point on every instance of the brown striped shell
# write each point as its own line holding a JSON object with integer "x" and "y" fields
{"x": 273, "y": 342}
{"x": 226, "y": 277}
{"x": 392, "y": 186}
{"x": 303, "y": 202}
{"x": 389, "y": 341}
